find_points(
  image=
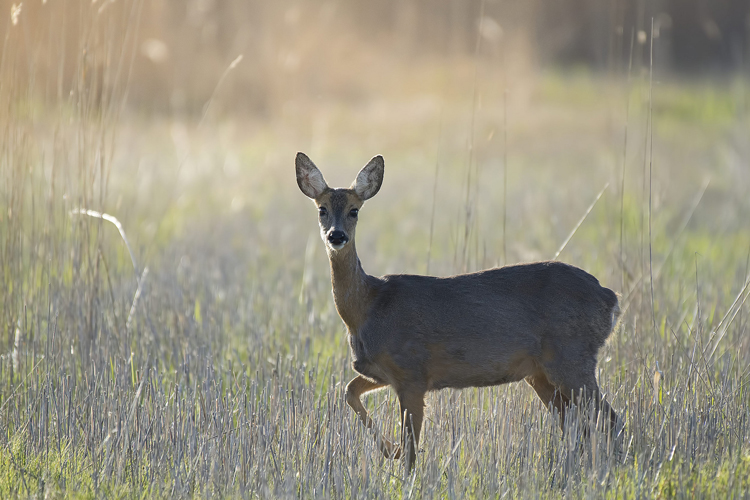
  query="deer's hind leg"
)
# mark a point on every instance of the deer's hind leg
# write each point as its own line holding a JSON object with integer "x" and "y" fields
{"x": 354, "y": 391}
{"x": 587, "y": 390}
{"x": 549, "y": 394}
{"x": 580, "y": 384}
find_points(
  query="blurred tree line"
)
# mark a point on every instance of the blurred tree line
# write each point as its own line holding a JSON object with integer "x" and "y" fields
{"x": 175, "y": 51}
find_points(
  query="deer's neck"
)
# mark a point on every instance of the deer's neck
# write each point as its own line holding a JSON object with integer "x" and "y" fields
{"x": 353, "y": 289}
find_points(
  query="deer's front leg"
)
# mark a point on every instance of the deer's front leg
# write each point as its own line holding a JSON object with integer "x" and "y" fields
{"x": 412, "y": 414}
{"x": 354, "y": 390}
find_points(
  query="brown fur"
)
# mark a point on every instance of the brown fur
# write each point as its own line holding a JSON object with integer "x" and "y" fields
{"x": 542, "y": 322}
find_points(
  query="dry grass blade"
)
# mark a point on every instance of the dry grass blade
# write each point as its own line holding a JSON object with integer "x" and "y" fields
{"x": 136, "y": 297}
{"x": 580, "y": 221}
{"x": 721, "y": 329}
{"x": 210, "y": 101}
{"x": 120, "y": 229}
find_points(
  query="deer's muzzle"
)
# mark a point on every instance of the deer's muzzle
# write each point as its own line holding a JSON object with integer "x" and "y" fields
{"x": 337, "y": 239}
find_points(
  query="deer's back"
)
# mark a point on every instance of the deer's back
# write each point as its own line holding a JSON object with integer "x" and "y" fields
{"x": 483, "y": 328}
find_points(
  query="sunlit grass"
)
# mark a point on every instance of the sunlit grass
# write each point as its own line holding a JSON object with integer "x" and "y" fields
{"x": 229, "y": 378}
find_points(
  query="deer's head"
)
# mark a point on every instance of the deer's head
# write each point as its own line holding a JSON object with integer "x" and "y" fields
{"x": 338, "y": 207}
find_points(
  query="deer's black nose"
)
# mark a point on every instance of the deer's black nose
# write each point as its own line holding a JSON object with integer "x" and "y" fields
{"x": 337, "y": 238}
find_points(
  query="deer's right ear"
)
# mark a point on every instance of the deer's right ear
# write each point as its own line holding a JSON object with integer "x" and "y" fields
{"x": 309, "y": 179}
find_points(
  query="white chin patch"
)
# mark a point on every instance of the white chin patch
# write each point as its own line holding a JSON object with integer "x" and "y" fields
{"x": 337, "y": 247}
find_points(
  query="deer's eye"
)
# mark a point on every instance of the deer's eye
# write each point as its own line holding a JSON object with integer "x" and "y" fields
{"x": 322, "y": 211}
{"x": 353, "y": 212}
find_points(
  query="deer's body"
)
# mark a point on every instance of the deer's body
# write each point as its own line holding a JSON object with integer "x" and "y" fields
{"x": 542, "y": 322}
{"x": 492, "y": 327}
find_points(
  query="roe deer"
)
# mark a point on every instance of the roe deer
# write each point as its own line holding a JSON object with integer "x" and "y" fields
{"x": 542, "y": 322}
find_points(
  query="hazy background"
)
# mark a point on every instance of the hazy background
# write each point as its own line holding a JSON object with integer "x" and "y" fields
{"x": 503, "y": 95}
{"x": 350, "y": 51}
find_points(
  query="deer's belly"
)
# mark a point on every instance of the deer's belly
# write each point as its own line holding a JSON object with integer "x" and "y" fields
{"x": 478, "y": 369}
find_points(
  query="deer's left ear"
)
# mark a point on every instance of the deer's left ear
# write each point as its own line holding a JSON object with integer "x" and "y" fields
{"x": 369, "y": 179}
{"x": 309, "y": 179}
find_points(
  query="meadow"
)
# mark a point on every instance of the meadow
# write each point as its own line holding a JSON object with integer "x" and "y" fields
{"x": 197, "y": 351}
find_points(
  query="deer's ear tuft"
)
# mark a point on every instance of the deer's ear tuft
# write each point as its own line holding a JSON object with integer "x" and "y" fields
{"x": 309, "y": 179}
{"x": 369, "y": 179}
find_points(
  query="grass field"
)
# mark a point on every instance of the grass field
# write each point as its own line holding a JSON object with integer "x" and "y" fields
{"x": 211, "y": 360}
